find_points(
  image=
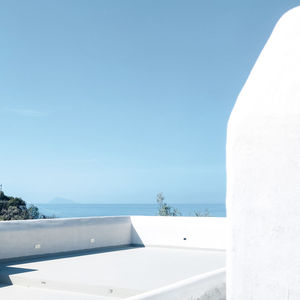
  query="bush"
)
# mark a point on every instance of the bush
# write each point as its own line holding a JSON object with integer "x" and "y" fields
{"x": 206, "y": 213}
{"x": 164, "y": 209}
{"x": 14, "y": 208}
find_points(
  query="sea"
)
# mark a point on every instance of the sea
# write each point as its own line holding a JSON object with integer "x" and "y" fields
{"x": 97, "y": 209}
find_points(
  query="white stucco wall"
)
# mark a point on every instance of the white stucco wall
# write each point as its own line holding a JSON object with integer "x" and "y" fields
{"x": 263, "y": 173}
{"x": 193, "y": 232}
{"x": 36, "y": 237}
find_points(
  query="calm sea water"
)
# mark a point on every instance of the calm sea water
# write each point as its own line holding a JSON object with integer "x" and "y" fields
{"x": 89, "y": 210}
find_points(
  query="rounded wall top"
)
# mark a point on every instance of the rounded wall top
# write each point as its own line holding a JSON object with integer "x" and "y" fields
{"x": 273, "y": 86}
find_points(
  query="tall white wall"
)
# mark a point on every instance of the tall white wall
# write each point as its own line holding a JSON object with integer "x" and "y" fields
{"x": 263, "y": 173}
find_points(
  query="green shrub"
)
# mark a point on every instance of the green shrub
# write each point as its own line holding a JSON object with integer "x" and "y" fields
{"x": 164, "y": 209}
{"x": 14, "y": 208}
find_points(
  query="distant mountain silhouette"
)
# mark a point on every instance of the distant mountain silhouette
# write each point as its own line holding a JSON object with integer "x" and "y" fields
{"x": 60, "y": 200}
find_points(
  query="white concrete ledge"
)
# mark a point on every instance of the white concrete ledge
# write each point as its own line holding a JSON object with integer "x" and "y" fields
{"x": 210, "y": 286}
{"x": 38, "y": 237}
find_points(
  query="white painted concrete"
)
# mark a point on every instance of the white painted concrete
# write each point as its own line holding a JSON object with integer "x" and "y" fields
{"x": 37, "y": 237}
{"x": 13, "y": 292}
{"x": 181, "y": 265}
{"x": 193, "y": 232}
{"x": 263, "y": 173}
{"x": 121, "y": 273}
{"x": 208, "y": 286}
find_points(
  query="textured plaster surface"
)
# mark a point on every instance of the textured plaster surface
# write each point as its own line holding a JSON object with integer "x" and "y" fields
{"x": 263, "y": 173}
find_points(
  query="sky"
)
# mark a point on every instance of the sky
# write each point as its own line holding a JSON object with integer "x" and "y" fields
{"x": 114, "y": 101}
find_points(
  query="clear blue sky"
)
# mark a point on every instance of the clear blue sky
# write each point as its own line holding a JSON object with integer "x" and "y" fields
{"x": 115, "y": 101}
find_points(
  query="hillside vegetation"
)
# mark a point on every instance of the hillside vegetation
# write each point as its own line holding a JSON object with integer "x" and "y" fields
{"x": 14, "y": 208}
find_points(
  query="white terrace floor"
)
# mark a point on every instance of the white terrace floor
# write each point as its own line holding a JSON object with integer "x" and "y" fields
{"x": 115, "y": 273}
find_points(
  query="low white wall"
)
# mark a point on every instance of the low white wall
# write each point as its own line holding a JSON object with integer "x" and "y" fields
{"x": 263, "y": 173}
{"x": 209, "y": 286}
{"x": 36, "y": 237}
{"x": 194, "y": 232}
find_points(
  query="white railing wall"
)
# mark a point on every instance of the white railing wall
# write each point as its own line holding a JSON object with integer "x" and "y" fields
{"x": 37, "y": 237}
{"x": 190, "y": 232}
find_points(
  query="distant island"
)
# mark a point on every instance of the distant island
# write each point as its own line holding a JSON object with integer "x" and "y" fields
{"x": 60, "y": 200}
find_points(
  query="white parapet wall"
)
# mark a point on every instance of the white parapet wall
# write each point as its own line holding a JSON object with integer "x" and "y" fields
{"x": 190, "y": 232}
{"x": 263, "y": 173}
{"x": 37, "y": 237}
